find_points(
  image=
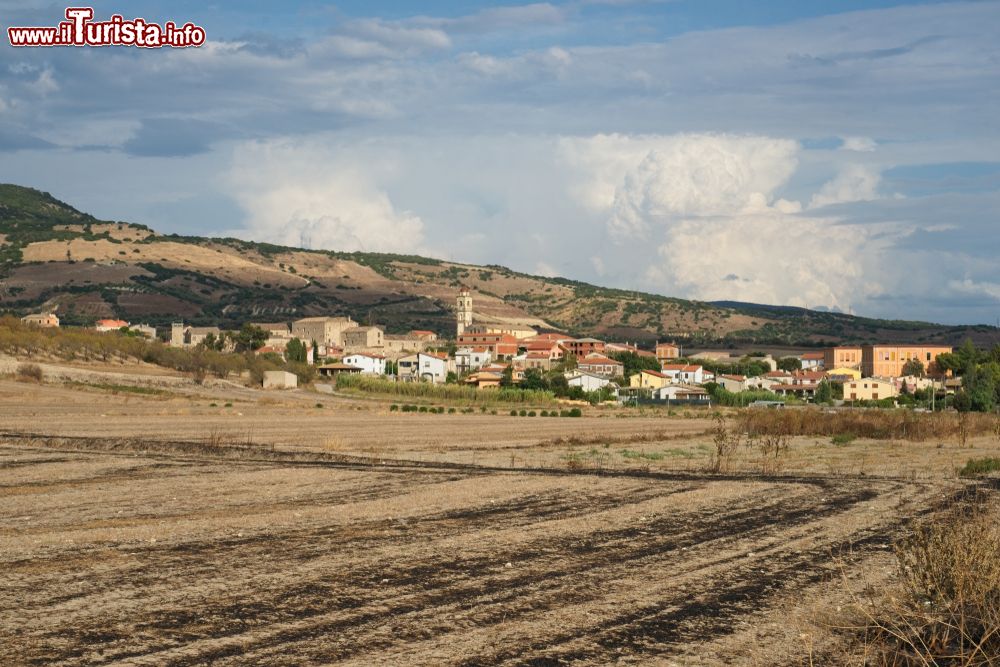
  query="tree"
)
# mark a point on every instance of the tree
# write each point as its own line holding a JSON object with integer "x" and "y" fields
{"x": 533, "y": 379}
{"x": 980, "y": 386}
{"x": 249, "y": 338}
{"x": 914, "y": 367}
{"x": 824, "y": 392}
{"x": 632, "y": 363}
{"x": 789, "y": 364}
{"x": 507, "y": 377}
{"x": 296, "y": 351}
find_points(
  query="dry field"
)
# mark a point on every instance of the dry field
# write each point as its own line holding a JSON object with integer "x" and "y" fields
{"x": 159, "y": 530}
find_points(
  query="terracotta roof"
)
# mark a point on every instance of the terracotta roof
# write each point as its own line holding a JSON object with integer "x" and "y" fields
{"x": 653, "y": 373}
{"x": 737, "y": 378}
{"x": 813, "y": 355}
{"x": 421, "y": 332}
{"x": 684, "y": 368}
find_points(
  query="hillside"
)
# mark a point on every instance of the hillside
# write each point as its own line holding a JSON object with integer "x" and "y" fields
{"x": 53, "y": 256}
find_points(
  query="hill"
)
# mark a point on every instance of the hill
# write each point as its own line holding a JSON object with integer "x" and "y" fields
{"x": 53, "y": 256}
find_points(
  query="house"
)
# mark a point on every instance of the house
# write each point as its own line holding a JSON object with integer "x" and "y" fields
{"x": 647, "y": 379}
{"x": 842, "y": 357}
{"x": 627, "y": 347}
{"x": 143, "y": 330}
{"x": 598, "y": 363}
{"x": 869, "y": 389}
{"x": 539, "y": 360}
{"x": 666, "y": 352}
{"x": 45, "y": 320}
{"x": 914, "y": 383}
{"x": 587, "y": 381}
{"x": 550, "y": 337}
{"x": 581, "y": 347}
{"x": 110, "y": 325}
{"x": 686, "y": 373}
{"x": 808, "y": 377}
{"x": 472, "y": 358}
{"x": 275, "y": 329}
{"x": 184, "y": 336}
{"x": 843, "y": 374}
{"x": 423, "y": 367}
{"x": 485, "y": 379}
{"x": 406, "y": 343}
{"x": 707, "y": 376}
{"x": 518, "y": 331}
{"x": 370, "y": 364}
{"x": 553, "y": 350}
{"x": 423, "y": 334}
{"x": 327, "y": 331}
{"x": 683, "y": 393}
{"x": 802, "y": 390}
{"x": 280, "y": 380}
{"x": 502, "y": 346}
{"x": 733, "y": 383}
{"x": 335, "y": 369}
{"x": 358, "y": 338}
{"x": 779, "y": 377}
{"x": 888, "y": 360}
{"x": 812, "y": 360}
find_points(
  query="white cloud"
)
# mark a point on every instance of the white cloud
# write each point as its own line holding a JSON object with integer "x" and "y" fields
{"x": 545, "y": 269}
{"x": 855, "y": 182}
{"x": 299, "y": 195}
{"x": 858, "y": 144}
{"x": 972, "y": 287}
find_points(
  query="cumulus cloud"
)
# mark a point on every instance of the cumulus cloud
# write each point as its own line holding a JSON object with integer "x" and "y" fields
{"x": 710, "y": 204}
{"x": 855, "y": 182}
{"x": 303, "y": 196}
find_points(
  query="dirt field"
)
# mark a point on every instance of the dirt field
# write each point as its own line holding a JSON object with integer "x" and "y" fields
{"x": 159, "y": 530}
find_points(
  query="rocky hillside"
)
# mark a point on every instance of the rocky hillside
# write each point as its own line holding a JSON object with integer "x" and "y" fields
{"x": 55, "y": 257}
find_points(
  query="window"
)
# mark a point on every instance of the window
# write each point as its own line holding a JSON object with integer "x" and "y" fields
{"x": 928, "y": 356}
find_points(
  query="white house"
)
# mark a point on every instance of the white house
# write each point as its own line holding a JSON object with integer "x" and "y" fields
{"x": 423, "y": 367}
{"x": 472, "y": 358}
{"x": 682, "y": 393}
{"x": 370, "y": 364}
{"x": 587, "y": 381}
{"x": 684, "y": 373}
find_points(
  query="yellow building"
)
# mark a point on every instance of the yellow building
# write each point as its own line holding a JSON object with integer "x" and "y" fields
{"x": 842, "y": 357}
{"x": 666, "y": 352}
{"x": 647, "y": 379}
{"x": 888, "y": 360}
{"x": 869, "y": 389}
{"x": 844, "y": 373}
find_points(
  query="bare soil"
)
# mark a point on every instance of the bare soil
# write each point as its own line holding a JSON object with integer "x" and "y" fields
{"x": 159, "y": 530}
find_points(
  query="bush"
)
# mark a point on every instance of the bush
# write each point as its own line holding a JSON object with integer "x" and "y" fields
{"x": 393, "y": 408}
{"x": 945, "y": 606}
{"x": 545, "y": 413}
{"x": 513, "y": 413}
{"x": 531, "y": 413}
{"x": 524, "y": 413}
{"x": 978, "y": 467}
{"x": 422, "y": 408}
{"x": 843, "y": 439}
{"x": 451, "y": 392}
{"x": 319, "y": 405}
{"x": 30, "y": 372}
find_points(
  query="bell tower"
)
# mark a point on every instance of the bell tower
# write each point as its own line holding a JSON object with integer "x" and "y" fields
{"x": 464, "y": 310}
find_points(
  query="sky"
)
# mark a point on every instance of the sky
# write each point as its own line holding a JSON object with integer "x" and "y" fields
{"x": 840, "y": 155}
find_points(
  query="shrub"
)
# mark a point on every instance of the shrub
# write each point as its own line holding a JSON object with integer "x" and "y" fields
{"x": 30, "y": 372}
{"x": 945, "y": 607}
{"x": 319, "y": 405}
{"x": 843, "y": 439}
{"x": 393, "y": 408}
{"x": 422, "y": 408}
{"x": 531, "y": 413}
{"x": 523, "y": 413}
{"x": 513, "y": 413}
{"x": 545, "y": 413}
{"x": 575, "y": 412}
{"x": 978, "y": 467}
{"x": 228, "y": 405}
{"x": 451, "y": 392}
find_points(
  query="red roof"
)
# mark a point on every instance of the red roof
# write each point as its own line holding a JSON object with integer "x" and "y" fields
{"x": 653, "y": 373}
{"x": 813, "y": 355}
{"x": 684, "y": 368}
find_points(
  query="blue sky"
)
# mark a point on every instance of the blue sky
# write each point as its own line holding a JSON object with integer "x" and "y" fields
{"x": 841, "y": 155}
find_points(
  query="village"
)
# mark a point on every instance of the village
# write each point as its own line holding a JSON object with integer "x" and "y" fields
{"x": 489, "y": 355}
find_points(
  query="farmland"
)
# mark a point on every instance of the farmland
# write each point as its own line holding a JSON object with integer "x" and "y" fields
{"x": 174, "y": 529}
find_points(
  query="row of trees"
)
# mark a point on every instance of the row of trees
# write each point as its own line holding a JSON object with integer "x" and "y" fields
{"x": 980, "y": 373}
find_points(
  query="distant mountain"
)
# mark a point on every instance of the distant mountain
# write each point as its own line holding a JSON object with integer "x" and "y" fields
{"x": 54, "y": 257}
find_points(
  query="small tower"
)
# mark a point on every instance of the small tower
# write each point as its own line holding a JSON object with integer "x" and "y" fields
{"x": 464, "y": 310}
{"x": 177, "y": 334}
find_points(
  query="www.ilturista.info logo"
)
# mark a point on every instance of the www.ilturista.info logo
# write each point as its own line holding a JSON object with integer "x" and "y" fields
{"x": 79, "y": 29}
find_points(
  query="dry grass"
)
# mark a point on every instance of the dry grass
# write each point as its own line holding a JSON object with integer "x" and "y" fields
{"x": 943, "y": 607}
{"x": 873, "y": 424}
